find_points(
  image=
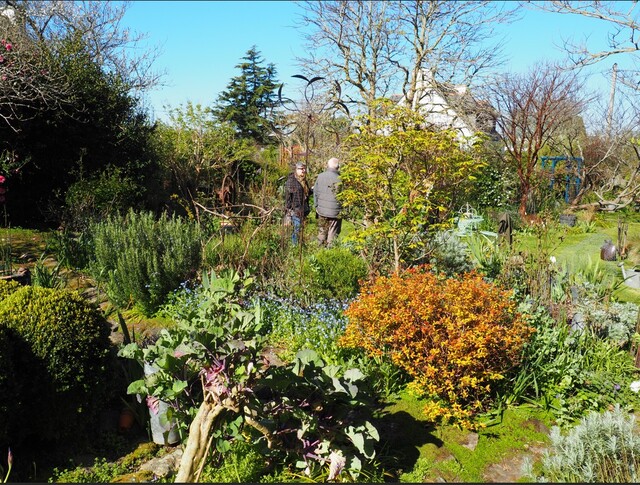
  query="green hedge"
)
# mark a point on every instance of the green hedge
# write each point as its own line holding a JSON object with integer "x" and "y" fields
{"x": 55, "y": 363}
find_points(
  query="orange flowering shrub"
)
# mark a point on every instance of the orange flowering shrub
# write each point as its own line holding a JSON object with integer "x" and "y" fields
{"x": 455, "y": 336}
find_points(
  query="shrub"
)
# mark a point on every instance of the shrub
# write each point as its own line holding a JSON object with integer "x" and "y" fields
{"x": 67, "y": 342}
{"x": 143, "y": 259}
{"x": 89, "y": 200}
{"x": 7, "y": 288}
{"x": 602, "y": 448}
{"x": 334, "y": 273}
{"x": 456, "y": 337}
{"x": 449, "y": 254}
{"x": 570, "y": 372}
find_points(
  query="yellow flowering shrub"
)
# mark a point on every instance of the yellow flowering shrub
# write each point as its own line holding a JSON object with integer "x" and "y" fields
{"x": 456, "y": 337}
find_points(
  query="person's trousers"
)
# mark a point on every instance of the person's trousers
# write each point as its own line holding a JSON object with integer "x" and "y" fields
{"x": 296, "y": 222}
{"x": 328, "y": 229}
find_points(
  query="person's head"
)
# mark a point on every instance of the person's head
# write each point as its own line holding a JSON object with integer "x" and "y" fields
{"x": 301, "y": 169}
{"x": 333, "y": 163}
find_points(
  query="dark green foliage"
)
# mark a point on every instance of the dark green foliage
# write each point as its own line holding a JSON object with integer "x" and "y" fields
{"x": 333, "y": 273}
{"x": 109, "y": 192}
{"x": 142, "y": 259}
{"x": 8, "y": 384}
{"x": 102, "y": 125}
{"x": 63, "y": 361}
{"x": 249, "y": 97}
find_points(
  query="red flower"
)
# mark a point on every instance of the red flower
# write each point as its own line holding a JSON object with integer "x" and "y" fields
{"x": 8, "y": 46}
{"x": 2, "y": 179}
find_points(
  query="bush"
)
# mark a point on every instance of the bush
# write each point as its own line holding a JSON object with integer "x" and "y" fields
{"x": 8, "y": 288}
{"x": 602, "y": 448}
{"x": 64, "y": 360}
{"x": 456, "y": 337}
{"x": 334, "y": 273}
{"x": 142, "y": 259}
{"x": 449, "y": 254}
{"x": 90, "y": 200}
{"x": 570, "y": 372}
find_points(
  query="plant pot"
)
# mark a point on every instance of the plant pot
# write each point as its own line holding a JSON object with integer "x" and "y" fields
{"x": 126, "y": 420}
{"x": 162, "y": 431}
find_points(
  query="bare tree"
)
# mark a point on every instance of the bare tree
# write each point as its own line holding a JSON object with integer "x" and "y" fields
{"x": 353, "y": 41}
{"x": 611, "y": 154}
{"x": 378, "y": 48}
{"x": 448, "y": 42}
{"x": 30, "y": 78}
{"x": 532, "y": 108}
{"x": 622, "y": 39}
{"x": 99, "y": 24}
{"x": 33, "y": 32}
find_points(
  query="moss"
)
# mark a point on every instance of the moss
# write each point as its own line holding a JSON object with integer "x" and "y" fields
{"x": 436, "y": 453}
{"x": 136, "y": 477}
{"x": 143, "y": 452}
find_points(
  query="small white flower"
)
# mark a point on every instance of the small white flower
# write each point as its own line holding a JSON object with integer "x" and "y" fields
{"x": 635, "y": 386}
{"x": 552, "y": 259}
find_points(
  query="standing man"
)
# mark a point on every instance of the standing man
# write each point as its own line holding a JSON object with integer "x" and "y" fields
{"x": 296, "y": 198}
{"x": 327, "y": 206}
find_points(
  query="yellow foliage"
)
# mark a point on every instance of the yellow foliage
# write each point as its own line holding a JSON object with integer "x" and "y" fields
{"x": 456, "y": 337}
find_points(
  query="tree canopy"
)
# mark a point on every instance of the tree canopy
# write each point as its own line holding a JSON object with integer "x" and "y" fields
{"x": 249, "y": 97}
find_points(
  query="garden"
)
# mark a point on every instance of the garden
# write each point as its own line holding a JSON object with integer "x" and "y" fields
{"x": 475, "y": 320}
{"x": 318, "y": 371}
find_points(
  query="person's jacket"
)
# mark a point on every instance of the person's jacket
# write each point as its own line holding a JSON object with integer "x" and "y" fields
{"x": 324, "y": 194}
{"x": 295, "y": 198}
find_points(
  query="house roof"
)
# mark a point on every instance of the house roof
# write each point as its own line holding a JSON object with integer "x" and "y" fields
{"x": 446, "y": 104}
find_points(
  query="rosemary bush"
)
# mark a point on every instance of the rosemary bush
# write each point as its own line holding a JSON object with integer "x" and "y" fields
{"x": 141, "y": 259}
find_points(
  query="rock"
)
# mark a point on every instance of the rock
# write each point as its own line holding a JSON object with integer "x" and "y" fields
{"x": 471, "y": 441}
{"x": 164, "y": 466}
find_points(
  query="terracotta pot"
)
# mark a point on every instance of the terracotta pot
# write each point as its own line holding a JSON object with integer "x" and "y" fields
{"x": 126, "y": 420}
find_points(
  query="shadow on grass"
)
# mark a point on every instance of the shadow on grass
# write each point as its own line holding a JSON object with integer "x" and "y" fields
{"x": 401, "y": 436}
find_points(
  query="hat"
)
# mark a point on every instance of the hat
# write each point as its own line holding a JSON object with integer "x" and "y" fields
{"x": 301, "y": 165}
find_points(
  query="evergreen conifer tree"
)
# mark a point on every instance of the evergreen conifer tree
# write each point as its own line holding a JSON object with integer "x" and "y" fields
{"x": 249, "y": 97}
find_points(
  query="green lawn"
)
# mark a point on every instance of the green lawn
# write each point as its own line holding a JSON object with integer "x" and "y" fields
{"x": 574, "y": 248}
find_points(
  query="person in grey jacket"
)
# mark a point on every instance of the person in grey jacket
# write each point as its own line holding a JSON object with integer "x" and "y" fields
{"x": 327, "y": 206}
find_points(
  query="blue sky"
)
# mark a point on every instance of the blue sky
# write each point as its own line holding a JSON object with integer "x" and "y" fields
{"x": 203, "y": 41}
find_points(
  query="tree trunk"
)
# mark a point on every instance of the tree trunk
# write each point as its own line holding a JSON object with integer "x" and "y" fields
{"x": 196, "y": 447}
